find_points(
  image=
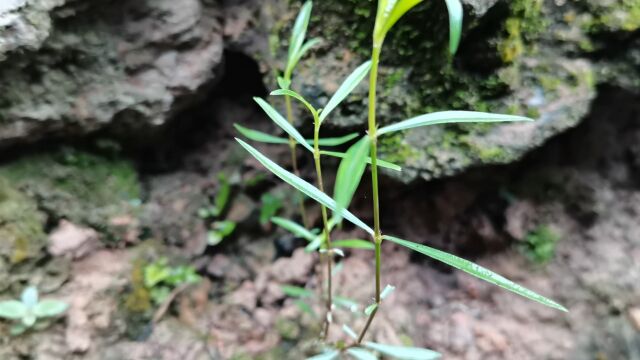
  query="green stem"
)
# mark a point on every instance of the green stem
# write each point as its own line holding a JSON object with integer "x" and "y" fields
{"x": 325, "y": 218}
{"x": 373, "y": 127}
{"x": 294, "y": 160}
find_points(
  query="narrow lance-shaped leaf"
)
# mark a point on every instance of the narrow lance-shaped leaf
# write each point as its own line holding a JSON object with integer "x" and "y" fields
{"x": 283, "y": 123}
{"x": 329, "y": 355}
{"x": 298, "y": 34}
{"x": 295, "y": 95}
{"x": 350, "y": 173}
{"x": 294, "y": 228}
{"x": 346, "y": 88}
{"x": 450, "y": 117}
{"x": 456, "y": 14}
{"x": 361, "y": 354}
{"x": 47, "y": 308}
{"x": 296, "y": 291}
{"x": 353, "y": 244}
{"x": 296, "y": 58}
{"x": 398, "y": 10}
{"x": 304, "y": 187}
{"x": 403, "y": 352}
{"x": 477, "y": 271}
{"x": 263, "y": 137}
{"x": 381, "y": 163}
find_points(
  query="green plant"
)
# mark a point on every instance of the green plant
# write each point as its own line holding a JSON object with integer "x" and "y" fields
{"x": 218, "y": 229}
{"x": 540, "y": 244}
{"x": 269, "y": 207}
{"x": 160, "y": 278}
{"x": 352, "y": 167}
{"x": 29, "y": 310}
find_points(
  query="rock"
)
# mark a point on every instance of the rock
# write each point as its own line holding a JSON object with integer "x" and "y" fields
{"x": 72, "y": 67}
{"x": 72, "y": 240}
{"x": 634, "y": 316}
{"x": 245, "y": 296}
{"x": 294, "y": 269}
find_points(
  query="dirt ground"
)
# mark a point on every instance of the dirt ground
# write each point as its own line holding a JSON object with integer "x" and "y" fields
{"x": 584, "y": 185}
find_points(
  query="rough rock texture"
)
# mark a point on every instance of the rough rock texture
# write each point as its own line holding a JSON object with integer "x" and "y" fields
{"x": 543, "y": 59}
{"x": 72, "y": 67}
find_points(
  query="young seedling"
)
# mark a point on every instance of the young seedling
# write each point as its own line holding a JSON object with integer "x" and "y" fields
{"x": 29, "y": 311}
{"x": 352, "y": 167}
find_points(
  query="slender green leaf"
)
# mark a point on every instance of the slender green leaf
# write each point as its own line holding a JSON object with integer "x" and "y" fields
{"x": 450, "y": 117}
{"x": 369, "y": 309}
{"x": 346, "y": 88}
{"x": 298, "y": 34}
{"x": 315, "y": 243}
{"x": 259, "y": 136}
{"x": 477, "y": 271}
{"x": 387, "y": 291}
{"x": 48, "y": 308}
{"x": 13, "y": 310}
{"x": 283, "y": 83}
{"x": 350, "y": 173}
{"x": 361, "y": 354}
{"x": 400, "y": 8}
{"x": 329, "y": 355}
{"x": 456, "y": 14}
{"x": 294, "y": 228}
{"x": 262, "y": 137}
{"x": 346, "y": 302}
{"x": 336, "y": 141}
{"x": 354, "y": 244}
{"x": 381, "y": 163}
{"x": 283, "y": 123}
{"x": 296, "y": 291}
{"x": 303, "y": 50}
{"x": 29, "y": 296}
{"x": 304, "y": 187}
{"x": 306, "y": 308}
{"x": 403, "y": 352}
{"x": 349, "y": 331}
{"x": 295, "y": 95}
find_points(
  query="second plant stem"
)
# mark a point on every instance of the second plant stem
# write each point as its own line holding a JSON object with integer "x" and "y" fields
{"x": 373, "y": 127}
{"x": 325, "y": 220}
{"x": 294, "y": 159}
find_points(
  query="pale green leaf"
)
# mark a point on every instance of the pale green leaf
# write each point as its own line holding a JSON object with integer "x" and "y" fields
{"x": 477, "y": 271}
{"x": 354, "y": 244}
{"x": 283, "y": 83}
{"x": 298, "y": 34}
{"x": 48, "y": 308}
{"x": 336, "y": 141}
{"x": 346, "y": 303}
{"x": 387, "y": 291}
{"x": 369, "y": 309}
{"x": 456, "y": 14}
{"x": 283, "y": 123}
{"x": 361, "y": 354}
{"x": 349, "y": 331}
{"x": 260, "y": 136}
{"x": 403, "y": 352}
{"x": 295, "y": 95}
{"x": 315, "y": 243}
{"x": 381, "y": 163}
{"x": 450, "y": 117}
{"x": 13, "y": 310}
{"x": 294, "y": 228}
{"x": 346, "y": 88}
{"x": 350, "y": 173}
{"x": 29, "y": 296}
{"x": 304, "y": 187}
{"x": 303, "y": 50}
{"x": 401, "y": 8}
{"x": 296, "y": 291}
{"x": 329, "y": 355}
{"x": 29, "y": 319}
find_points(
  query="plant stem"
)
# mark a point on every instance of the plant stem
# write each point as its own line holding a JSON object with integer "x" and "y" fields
{"x": 294, "y": 160}
{"x": 373, "y": 127}
{"x": 325, "y": 218}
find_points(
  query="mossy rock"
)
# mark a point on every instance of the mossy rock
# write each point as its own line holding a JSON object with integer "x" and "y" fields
{"x": 84, "y": 188}
{"x": 21, "y": 225}
{"x": 526, "y": 57}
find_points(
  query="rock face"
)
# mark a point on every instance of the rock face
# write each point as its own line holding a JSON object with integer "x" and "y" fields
{"x": 72, "y": 67}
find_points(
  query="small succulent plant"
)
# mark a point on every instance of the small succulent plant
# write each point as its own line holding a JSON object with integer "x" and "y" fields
{"x": 27, "y": 311}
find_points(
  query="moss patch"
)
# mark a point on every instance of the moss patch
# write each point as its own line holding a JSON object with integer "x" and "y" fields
{"x": 84, "y": 188}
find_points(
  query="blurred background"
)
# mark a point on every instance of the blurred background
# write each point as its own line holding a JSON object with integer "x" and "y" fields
{"x": 124, "y": 195}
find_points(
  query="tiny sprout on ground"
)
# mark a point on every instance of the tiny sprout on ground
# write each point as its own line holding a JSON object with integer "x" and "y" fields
{"x": 30, "y": 312}
{"x": 362, "y": 154}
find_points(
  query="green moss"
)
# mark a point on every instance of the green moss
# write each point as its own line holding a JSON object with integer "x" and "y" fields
{"x": 21, "y": 225}
{"x": 138, "y": 300}
{"x": 288, "y": 329}
{"x": 82, "y": 187}
{"x": 540, "y": 244}
{"x": 619, "y": 16}
{"x": 393, "y": 148}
